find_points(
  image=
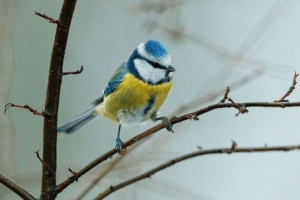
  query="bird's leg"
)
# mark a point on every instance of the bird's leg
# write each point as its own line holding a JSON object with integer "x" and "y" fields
{"x": 119, "y": 143}
{"x": 164, "y": 120}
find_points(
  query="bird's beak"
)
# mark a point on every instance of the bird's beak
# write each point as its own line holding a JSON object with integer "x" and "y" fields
{"x": 171, "y": 69}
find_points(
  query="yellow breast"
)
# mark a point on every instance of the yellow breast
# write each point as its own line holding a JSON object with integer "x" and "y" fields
{"x": 130, "y": 101}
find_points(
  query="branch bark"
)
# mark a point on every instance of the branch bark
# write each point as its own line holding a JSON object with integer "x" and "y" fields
{"x": 165, "y": 165}
{"x": 16, "y": 188}
{"x": 173, "y": 120}
{"x": 52, "y": 99}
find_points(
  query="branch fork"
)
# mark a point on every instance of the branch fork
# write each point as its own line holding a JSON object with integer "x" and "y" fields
{"x": 50, "y": 172}
{"x": 75, "y": 174}
{"x": 291, "y": 89}
{"x": 241, "y": 108}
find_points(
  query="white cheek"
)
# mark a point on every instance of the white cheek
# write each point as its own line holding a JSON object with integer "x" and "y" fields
{"x": 149, "y": 73}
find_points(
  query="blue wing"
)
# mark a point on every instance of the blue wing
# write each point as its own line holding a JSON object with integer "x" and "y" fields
{"x": 116, "y": 79}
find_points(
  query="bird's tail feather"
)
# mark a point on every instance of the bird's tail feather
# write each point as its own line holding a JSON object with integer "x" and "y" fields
{"x": 77, "y": 122}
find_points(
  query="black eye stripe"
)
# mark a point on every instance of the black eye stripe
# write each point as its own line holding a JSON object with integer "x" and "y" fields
{"x": 156, "y": 65}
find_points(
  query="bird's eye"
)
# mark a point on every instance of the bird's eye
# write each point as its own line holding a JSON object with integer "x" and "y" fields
{"x": 156, "y": 65}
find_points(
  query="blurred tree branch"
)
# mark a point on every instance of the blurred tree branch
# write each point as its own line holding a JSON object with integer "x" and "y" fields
{"x": 173, "y": 120}
{"x": 200, "y": 152}
{"x": 16, "y": 188}
{"x": 7, "y": 133}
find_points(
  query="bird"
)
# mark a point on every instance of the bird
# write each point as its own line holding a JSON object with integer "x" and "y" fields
{"x": 134, "y": 93}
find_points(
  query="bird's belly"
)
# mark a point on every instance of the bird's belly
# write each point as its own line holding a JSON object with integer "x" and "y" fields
{"x": 133, "y": 101}
{"x": 133, "y": 116}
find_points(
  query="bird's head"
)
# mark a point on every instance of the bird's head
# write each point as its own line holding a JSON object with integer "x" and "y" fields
{"x": 151, "y": 62}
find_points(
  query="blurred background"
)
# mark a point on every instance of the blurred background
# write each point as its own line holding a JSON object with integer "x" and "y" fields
{"x": 251, "y": 46}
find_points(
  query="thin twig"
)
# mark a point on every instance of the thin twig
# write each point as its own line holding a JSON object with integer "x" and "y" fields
{"x": 51, "y": 20}
{"x": 173, "y": 120}
{"x": 25, "y": 106}
{"x": 291, "y": 89}
{"x": 50, "y": 173}
{"x": 233, "y": 146}
{"x": 210, "y": 97}
{"x": 74, "y": 174}
{"x": 149, "y": 173}
{"x": 24, "y": 194}
{"x": 225, "y": 95}
{"x": 74, "y": 72}
{"x": 241, "y": 108}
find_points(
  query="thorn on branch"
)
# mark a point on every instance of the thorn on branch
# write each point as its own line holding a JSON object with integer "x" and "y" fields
{"x": 51, "y": 20}
{"x": 74, "y": 72}
{"x": 25, "y": 106}
{"x": 291, "y": 89}
{"x": 241, "y": 108}
{"x": 233, "y": 146}
{"x": 225, "y": 95}
{"x": 75, "y": 174}
{"x": 112, "y": 188}
{"x": 50, "y": 172}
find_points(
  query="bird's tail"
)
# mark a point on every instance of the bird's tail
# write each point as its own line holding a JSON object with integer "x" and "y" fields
{"x": 77, "y": 122}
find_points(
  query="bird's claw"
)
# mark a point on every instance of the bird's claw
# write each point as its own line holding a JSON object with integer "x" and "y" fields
{"x": 167, "y": 123}
{"x": 119, "y": 145}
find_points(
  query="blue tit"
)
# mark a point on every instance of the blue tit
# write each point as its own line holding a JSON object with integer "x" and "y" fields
{"x": 135, "y": 92}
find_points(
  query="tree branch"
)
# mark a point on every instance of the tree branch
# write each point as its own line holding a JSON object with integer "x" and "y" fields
{"x": 25, "y": 106}
{"x": 74, "y": 72}
{"x": 291, "y": 89}
{"x": 173, "y": 120}
{"x": 103, "y": 173}
{"x": 231, "y": 150}
{"x": 50, "y": 19}
{"x": 16, "y": 188}
{"x": 52, "y": 99}
{"x": 225, "y": 95}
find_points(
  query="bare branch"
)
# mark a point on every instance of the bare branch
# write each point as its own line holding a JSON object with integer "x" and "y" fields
{"x": 50, "y": 172}
{"x": 241, "y": 108}
{"x": 52, "y": 99}
{"x": 173, "y": 120}
{"x": 74, "y": 72}
{"x": 104, "y": 172}
{"x": 51, "y": 20}
{"x": 151, "y": 172}
{"x": 24, "y": 194}
{"x": 291, "y": 89}
{"x": 225, "y": 95}
{"x": 25, "y": 106}
{"x": 74, "y": 174}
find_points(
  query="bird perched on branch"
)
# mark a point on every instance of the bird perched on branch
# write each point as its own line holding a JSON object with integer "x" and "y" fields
{"x": 135, "y": 92}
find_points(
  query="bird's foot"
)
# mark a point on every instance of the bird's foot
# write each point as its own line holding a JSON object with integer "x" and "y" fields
{"x": 167, "y": 123}
{"x": 119, "y": 145}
